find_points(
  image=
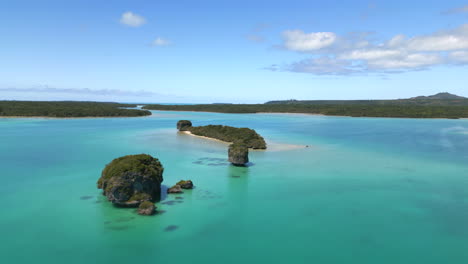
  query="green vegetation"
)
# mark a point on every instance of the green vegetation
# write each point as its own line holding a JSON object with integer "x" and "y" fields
{"x": 146, "y": 205}
{"x": 146, "y": 208}
{"x": 231, "y": 134}
{"x": 184, "y": 125}
{"x": 142, "y": 164}
{"x": 68, "y": 109}
{"x": 130, "y": 180}
{"x": 355, "y": 109}
{"x": 238, "y": 154}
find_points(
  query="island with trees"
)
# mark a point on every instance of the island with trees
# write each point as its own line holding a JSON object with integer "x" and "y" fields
{"x": 241, "y": 139}
{"x": 131, "y": 180}
{"x": 135, "y": 181}
{"x": 247, "y": 136}
{"x": 68, "y": 109}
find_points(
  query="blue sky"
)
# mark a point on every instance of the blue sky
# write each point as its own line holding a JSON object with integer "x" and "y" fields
{"x": 231, "y": 51}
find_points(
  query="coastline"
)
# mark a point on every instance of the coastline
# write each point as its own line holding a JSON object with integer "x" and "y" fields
{"x": 81, "y": 117}
{"x": 310, "y": 114}
{"x": 271, "y": 146}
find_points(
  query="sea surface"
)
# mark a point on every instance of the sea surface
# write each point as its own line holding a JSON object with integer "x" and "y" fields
{"x": 366, "y": 190}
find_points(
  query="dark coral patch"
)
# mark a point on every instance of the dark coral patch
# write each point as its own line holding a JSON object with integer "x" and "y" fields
{"x": 86, "y": 197}
{"x": 171, "y": 228}
{"x": 168, "y": 202}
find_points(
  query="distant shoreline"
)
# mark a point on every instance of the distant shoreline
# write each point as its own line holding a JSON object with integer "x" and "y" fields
{"x": 310, "y": 114}
{"x": 78, "y": 117}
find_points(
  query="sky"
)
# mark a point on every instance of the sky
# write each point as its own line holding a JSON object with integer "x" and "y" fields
{"x": 231, "y": 51}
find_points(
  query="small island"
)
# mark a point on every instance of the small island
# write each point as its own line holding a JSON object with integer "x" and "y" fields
{"x": 241, "y": 138}
{"x": 132, "y": 181}
{"x": 247, "y": 136}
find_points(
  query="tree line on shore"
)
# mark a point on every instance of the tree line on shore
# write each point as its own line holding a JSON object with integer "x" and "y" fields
{"x": 68, "y": 109}
{"x": 353, "y": 110}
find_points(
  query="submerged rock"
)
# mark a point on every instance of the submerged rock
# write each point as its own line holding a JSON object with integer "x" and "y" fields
{"x": 130, "y": 180}
{"x": 185, "y": 184}
{"x": 175, "y": 189}
{"x": 170, "y": 228}
{"x": 184, "y": 125}
{"x": 146, "y": 208}
{"x": 238, "y": 154}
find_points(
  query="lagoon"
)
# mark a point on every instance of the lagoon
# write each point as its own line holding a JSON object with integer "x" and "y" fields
{"x": 367, "y": 190}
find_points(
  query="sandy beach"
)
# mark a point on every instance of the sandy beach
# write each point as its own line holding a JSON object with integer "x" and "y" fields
{"x": 271, "y": 146}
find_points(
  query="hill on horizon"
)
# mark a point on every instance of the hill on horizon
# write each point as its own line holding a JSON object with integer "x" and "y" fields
{"x": 440, "y": 96}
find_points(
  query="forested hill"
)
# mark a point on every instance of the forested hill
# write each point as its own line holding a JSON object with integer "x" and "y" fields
{"x": 440, "y": 99}
{"x": 68, "y": 109}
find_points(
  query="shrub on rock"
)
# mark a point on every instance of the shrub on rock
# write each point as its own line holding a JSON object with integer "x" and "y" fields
{"x": 131, "y": 180}
{"x": 184, "y": 125}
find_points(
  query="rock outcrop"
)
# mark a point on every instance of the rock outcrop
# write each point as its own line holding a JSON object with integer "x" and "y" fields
{"x": 175, "y": 189}
{"x": 130, "y": 180}
{"x": 185, "y": 184}
{"x": 238, "y": 154}
{"x": 146, "y": 208}
{"x": 184, "y": 125}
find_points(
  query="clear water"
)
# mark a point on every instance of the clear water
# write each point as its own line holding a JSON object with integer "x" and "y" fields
{"x": 368, "y": 190}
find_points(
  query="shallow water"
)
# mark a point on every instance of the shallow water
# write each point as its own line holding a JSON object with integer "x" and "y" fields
{"x": 367, "y": 190}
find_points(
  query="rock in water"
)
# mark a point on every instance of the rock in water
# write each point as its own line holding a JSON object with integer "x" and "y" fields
{"x": 146, "y": 208}
{"x": 131, "y": 180}
{"x": 175, "y": 189}
{"x": 185, "y": 184}
{"x": 238, "y": 154}
{"x": 184, "y": 125}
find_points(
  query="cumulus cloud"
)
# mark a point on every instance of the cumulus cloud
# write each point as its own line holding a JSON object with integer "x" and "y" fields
{"x": 455, "y": 39}
{"x": 132, "y": 20}
{"x": 161, "y": 42}
{"x": 460, "y": 57}
{"x": 297, "y": 40}
{"x": 331, "y": 54}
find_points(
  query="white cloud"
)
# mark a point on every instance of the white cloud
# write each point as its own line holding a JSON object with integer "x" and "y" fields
{"x": 359, "y": 53}
{"x": 396, "y": 41}
{"x": 297, "y": 40}
{"x": 456, "y": 39}
{"x": 132, "y": 20}
{"x": 161, "y": 42}
{"x": 370, "y": 54}
{"x": 323, "y": 66}
{"x": 459, "y": 56}
{"x": 410, "y": 61}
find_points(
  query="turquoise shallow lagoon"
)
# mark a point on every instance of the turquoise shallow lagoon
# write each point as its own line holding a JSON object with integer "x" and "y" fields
{"x": 367, "y": 190}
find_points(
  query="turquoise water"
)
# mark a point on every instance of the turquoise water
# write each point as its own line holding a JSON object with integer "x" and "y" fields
{"x": 367, "y": 190}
